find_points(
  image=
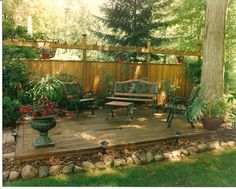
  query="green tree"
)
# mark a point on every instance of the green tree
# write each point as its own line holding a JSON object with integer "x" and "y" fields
{"x": 131, "y": 23}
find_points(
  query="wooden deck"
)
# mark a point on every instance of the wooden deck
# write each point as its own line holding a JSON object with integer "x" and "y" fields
{"x": 80, "y": 135}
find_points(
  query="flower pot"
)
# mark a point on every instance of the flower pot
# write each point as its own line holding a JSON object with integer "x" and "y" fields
{"x": 180, "y": 59}
{"x": 43, "y": 125}
{"x": 211, "y": 124}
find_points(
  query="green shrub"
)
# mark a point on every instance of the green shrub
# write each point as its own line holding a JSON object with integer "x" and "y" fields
{"x": 48, "y": 87}
{"x": 11, "y": 111}
{"x": 193, "y": 71}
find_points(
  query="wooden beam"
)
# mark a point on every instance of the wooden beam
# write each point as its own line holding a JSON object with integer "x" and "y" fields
{"x": 48, "y": 44}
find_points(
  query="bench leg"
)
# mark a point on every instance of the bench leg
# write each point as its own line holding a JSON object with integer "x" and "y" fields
{"x": 109, "y": 110}
{"x": 130, "y": 113}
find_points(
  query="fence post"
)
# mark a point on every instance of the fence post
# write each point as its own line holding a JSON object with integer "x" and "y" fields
{"x": 84, "y": 43}
{"x": 148, "y": 57}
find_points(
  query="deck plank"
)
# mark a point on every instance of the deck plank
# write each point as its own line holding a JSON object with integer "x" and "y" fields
{"x": 83, "y": 134}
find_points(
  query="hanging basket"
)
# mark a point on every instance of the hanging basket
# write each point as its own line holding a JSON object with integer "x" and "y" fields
{"x": 48, "y": 53}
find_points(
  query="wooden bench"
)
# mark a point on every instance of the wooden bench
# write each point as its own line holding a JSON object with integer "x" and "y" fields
{"x": 76, "y": 97}
{"x": 138, "y": 91}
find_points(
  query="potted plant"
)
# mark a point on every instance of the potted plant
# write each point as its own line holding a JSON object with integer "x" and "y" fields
{"x": 43, "y": 119}
{"x": 180, "y": 59}
{"x": 46, "y": 94}
{"x": 212, "y": 114}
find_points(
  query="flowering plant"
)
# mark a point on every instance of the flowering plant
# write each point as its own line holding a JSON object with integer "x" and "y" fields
{"x": 44, "y": 108}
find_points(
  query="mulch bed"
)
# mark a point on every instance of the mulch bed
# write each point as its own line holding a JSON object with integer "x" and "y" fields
{"x": 164, "y": 146}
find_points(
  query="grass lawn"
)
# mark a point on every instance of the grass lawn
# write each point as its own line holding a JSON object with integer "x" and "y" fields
{"x": 209, "y": 169}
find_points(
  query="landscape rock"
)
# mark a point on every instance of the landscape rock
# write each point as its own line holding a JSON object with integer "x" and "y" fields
{"x": 167, "y": 155}
{"x": 108, "y": 161}
{"x": 78, "y": 169}
{"x": 129, "y": 161}
{"x": 142, "y": 157}
{"x": 55, "y": 169}
{"x": 136, "y": 159}
{"x": 231, "y": 143}
{"x": 159, "y": 157}
{"x": 227, "y": 144}
{"x": 43, "y": 171}
{"x": 119, "y": 162}
{"x": 183, "y": 152}
{"x": 100, "y": 165}
{"x": 214, "y": 145}
{"x": 5, "y": 175}
{"x": 150, "y": 157}
{"x": 202, "y": 147}
{"x": 191, "y": 150}
{"x": 67, "y": 169}
{"x": 88, "y": 166}
{"x": 29, "y": 172}
{"x": 14, "y": 175}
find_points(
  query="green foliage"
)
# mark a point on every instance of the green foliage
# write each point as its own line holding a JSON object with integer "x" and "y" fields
{"x": 193, "y": 71}
{"x": 11, "y": 111}
{"x": 220, "y": 109}
{"x": 15, "y": 78}
{"x": 48, "y": 88}
{"x": 133, "y": 22}
{"x": 169, "y": 88}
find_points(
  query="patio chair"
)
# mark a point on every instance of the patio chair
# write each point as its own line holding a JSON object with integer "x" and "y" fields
{"x": 78, "y": 99}
{"x": 180, "y": 105}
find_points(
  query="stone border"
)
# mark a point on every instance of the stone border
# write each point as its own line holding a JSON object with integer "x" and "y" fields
{"x": 139, "y": 158}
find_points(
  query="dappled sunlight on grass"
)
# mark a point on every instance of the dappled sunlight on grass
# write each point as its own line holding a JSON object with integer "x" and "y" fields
{"x": 110, "y": 172}
{"x": 61, "y": 177}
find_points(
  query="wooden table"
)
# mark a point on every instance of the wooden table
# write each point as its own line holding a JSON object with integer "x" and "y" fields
{"x": 113, "y": 104}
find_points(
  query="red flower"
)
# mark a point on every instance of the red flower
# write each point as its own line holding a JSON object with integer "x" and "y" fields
{"x": 44, "y": 113}
{"x": 22, "y": 109}
{"x": 122, "y": 58}
{"x": 29, "y": 109}
{"x": 35, "y": 115}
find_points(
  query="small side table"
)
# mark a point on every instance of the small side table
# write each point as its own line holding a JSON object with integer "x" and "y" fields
{"x": 113, "y": 104}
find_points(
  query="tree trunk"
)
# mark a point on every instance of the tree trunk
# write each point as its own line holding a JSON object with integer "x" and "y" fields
{"x": 212, "y": 79}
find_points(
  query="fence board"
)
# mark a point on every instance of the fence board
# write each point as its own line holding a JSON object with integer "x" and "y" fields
{"x": 90, "y": 74}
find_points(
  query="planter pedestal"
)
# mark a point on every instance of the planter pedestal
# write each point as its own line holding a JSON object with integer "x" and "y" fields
{"x": 43, "y": 125}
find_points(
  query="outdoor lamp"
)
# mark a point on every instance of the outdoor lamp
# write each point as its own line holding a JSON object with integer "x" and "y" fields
{"x": 104, "y": 146}
{"x": 14, "y": 133}
{"x": 177, "y": 136}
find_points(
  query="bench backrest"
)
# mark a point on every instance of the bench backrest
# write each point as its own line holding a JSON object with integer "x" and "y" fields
{"x": 73, "y": 88}
{"x": 138, "y": 88}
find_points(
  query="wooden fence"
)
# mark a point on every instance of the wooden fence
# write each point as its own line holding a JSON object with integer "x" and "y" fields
{"x": 90, "y": 74}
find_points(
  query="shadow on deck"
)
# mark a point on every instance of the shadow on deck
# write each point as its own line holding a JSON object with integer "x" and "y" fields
{"x": 83, "y": 134}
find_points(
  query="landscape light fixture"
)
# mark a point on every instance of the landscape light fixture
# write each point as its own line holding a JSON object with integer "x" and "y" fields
{"x": 104, "y": 146}
{"x": 177, "y": 136}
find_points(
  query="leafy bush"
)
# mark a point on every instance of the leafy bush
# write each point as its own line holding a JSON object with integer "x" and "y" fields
{"x": 48, "y": 88}
{"x": 11, "y": 111}
{"x": 15, "y": 77}
{"x": 193, "y": 71}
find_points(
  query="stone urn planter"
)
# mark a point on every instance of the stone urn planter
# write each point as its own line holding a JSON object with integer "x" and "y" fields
{"x": 211, "y": 124}
{"x": 43, "y": 125}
